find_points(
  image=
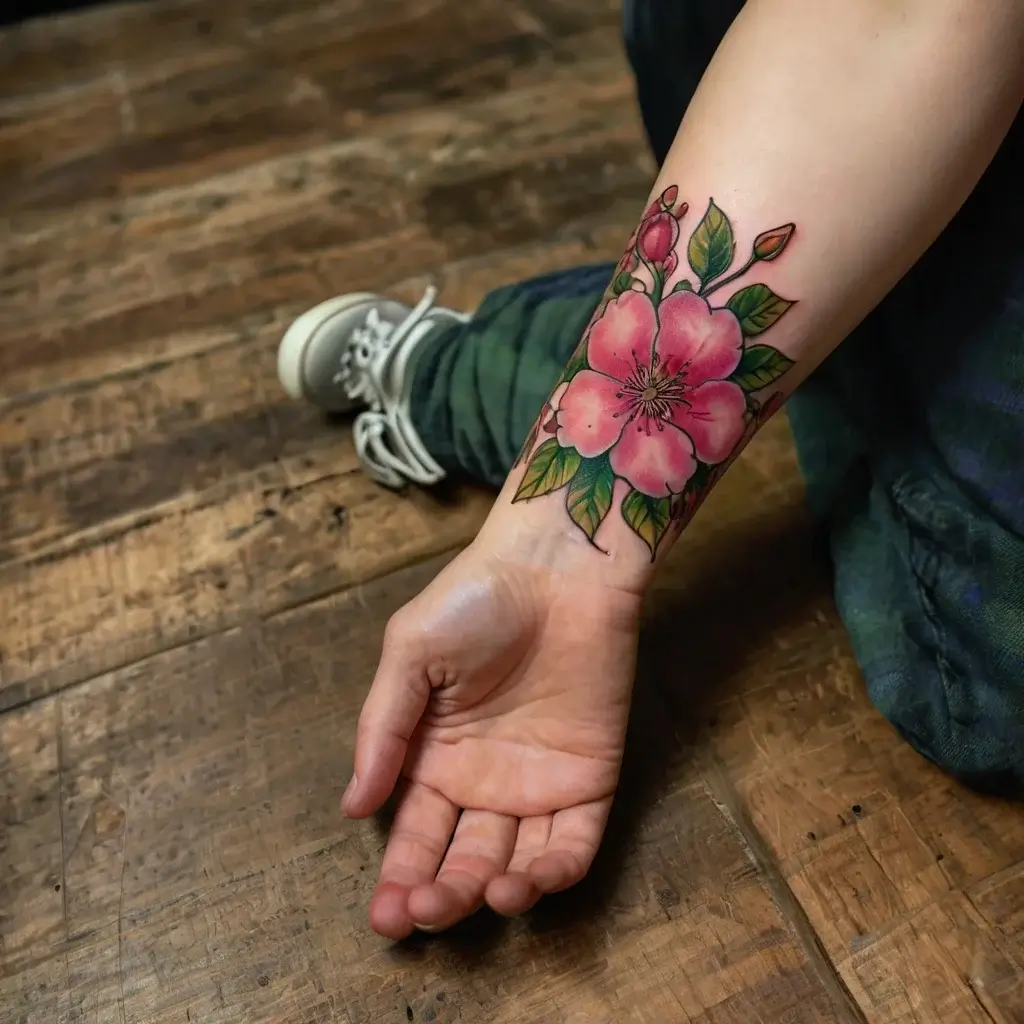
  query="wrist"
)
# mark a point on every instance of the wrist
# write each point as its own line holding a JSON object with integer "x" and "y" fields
{"x": 671, "y": 379}
{"x": 539, "y": 534}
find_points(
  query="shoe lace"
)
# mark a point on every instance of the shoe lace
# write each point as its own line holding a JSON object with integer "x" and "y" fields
{"x": 386, "y": 440}
{"x": 367, "y": 340}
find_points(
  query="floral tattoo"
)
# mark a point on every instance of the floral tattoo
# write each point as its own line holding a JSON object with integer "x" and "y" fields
{"x": 666, "y": 387}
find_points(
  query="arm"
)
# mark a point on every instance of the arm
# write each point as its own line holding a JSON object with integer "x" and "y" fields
{"x": 837, "y": 139}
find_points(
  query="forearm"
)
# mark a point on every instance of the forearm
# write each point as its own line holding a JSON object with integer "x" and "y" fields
{"x": 837, "y": 139}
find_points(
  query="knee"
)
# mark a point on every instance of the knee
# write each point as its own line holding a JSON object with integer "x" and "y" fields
{"x": 961, "y": 702}
{"x": 971, "y": 727}
{"x": 932, "y": 593}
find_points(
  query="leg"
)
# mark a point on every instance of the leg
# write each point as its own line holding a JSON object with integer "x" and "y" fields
{"x": 477, "y": 387}
{"x": 446, "y": 392}
{"x": 925, "y": 510}
{"x": 924, "y": 501}
{"x": 450, "y": 394}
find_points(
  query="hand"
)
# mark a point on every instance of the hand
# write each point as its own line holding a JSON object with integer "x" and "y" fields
{"x": 500, "y": 708}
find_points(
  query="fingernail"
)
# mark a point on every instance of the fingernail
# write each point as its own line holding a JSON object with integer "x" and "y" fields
{"x": 350, "y": 791}
{"x": 426, "y": 927}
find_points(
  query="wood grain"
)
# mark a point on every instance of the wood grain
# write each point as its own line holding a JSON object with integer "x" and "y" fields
{"x": 186, "y": 495}
{"x": 210, "y": 407}
{"x": 370, "y": 212}
{"x": 171, "y": 822}
{"x": 195, "y": 111}
{"x": 880, "y": 848}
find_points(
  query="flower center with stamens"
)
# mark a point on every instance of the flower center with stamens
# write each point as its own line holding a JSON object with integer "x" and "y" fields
{"x": 651, "y": 394}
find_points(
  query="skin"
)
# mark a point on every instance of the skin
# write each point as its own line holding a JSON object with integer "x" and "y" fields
{"x": 492, "y": 701}
{"x": 500, "y": 703}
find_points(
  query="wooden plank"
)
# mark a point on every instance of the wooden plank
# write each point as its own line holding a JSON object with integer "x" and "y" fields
{"x": 367, "y": 213}
{"x": 80, "y": 47}
{"x": 77, "y": 48}
{"x": 126, "y": 338}
{"x": 146, "y": 498}
{"x": 879, "y": 847}
{"x": 31, "y": 891}
{"x": 405, "y": 56}
{"x": 295, "y": 530}
{"x": 941, "y": 964}
{"x": 62, "y": 128}
{"x": 189, "y": 115}
{"x": 72, "y": 458}
{"x": 367, "y": 173}
{"x": 999, "y": 898}
{"x": 198, "y": 797}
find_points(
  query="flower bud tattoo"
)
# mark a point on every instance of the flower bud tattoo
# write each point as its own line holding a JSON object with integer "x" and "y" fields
{"x": 658, "y": 237}
{"x": 770, "y": 244}
{"x": 666, "y": 386}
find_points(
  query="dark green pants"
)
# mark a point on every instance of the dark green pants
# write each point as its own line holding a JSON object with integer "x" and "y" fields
{"x": 911, "y": 436}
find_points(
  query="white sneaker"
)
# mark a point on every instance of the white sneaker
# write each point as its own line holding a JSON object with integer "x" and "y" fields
{"x": 353, "y": 351}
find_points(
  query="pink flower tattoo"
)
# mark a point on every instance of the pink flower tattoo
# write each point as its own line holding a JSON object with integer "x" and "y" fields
{"x": 657, "y": 398}
{"x": 664, "y": 389}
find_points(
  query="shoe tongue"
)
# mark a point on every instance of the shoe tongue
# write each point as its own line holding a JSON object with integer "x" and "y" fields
{"x": 391, "y": 313}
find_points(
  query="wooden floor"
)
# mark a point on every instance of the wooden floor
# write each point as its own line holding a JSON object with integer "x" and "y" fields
{"x": 194, "y": 575}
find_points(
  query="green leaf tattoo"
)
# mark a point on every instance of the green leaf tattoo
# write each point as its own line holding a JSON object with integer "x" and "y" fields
{"x": 647, "y": 517}
{"x": 622, "y": 283}
{"x": 551, "y": 467}
{"x": 759, "y": 366}
{"x": 590, "y": 494}
{"x": 711, "y": 246}
{"x": 648, "y": 397}
{"x": 757, "y": 307}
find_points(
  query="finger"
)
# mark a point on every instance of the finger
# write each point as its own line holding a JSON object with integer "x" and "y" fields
{"x": 575, "y": 836}
{"x": 389, "y": 717}
{"x": 514, "y": 892}
{"x": 479, "y": 852}
{"x": 419, "y": 836}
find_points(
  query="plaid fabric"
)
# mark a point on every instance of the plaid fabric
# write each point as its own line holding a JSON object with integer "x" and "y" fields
{"x": 477, "y": 388}
{"x": 911, "y": 436}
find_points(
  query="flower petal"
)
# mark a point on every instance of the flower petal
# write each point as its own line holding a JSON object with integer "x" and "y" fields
{"x": 658, "y": 463}
{"x": 586, "y": 414}
{"x": 547, "y": 419}
{"x": 623, "y": 336}
{"x": 714, "y": 419}
{"x": 706, "y": 343}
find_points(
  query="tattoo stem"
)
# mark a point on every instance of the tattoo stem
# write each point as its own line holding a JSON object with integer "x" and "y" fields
{"x": 705, "y": 290}
{"x": 659, "y": 283}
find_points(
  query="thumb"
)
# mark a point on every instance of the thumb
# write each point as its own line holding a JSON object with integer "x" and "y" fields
{"x": 392, "y": 711}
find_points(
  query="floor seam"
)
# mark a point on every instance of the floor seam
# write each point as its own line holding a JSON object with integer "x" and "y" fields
{"x": 725, "y": 797}
{"x": 236, "y": 624}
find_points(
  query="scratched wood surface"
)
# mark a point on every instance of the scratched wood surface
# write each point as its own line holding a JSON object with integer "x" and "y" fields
{"x": 194, "y": 575}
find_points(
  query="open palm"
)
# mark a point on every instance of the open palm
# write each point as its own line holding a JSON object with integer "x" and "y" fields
{"x": 499, "y": 708}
